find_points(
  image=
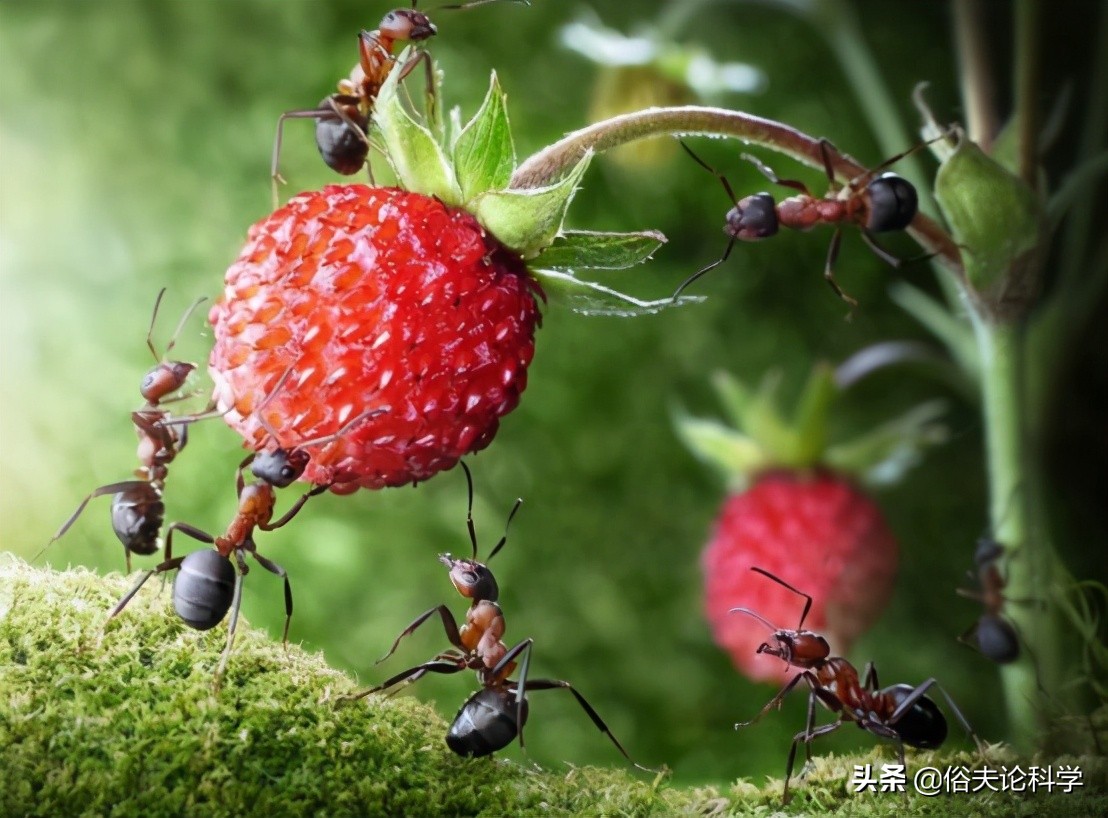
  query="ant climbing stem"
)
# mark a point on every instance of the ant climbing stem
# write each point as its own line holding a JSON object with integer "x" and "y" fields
{"x": 494, "y": 716}
{"x": 137, "y": 508}
{"x": 343, "y": 118}
{"x": 875, "y": 202}
{"x": 900, "y": 713}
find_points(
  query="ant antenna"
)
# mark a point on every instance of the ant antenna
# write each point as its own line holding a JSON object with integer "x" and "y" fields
{"x": 473, "y": 3}
{"x": 469, "y": 515}
{"x": 757, "y": 616}
{"x": 731, "y": 243}
{"x": 779, "y": 581}
{"x": 176, "y": 332}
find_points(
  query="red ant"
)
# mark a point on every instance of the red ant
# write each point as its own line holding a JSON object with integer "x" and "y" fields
{"x": 342, "y": 118}
{"x": 876, "y": 202}
{"x": 992, "y": 634}
{"x": 207, "y": 585}
{"x": 900, "y": 713}
{"x": 137, "y": 508}
{"x": 495, "y": 715}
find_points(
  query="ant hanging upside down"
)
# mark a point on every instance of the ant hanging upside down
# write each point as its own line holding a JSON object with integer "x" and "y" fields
{"x": 137, "y": 508}
{"x": 876, "y": 202}
{"x": 342, "y": 119}
{"x": 494, "y": 716}
{"x": 900, "y": 712}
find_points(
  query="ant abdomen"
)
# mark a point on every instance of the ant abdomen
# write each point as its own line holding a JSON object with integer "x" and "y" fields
{"x": 343, "y": 147}
{"x": 204, "y": 589}
{"x": 893, "y": 203}
{"x": 996, "y": 639}
{"x": 923, "y": 725}
{"x": 137, "y": 517}
{"x": 485, "y": 723}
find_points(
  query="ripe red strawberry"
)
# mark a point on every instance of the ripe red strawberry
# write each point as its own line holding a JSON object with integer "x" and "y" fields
{"x": 816, "y": 531}
{"x": 375, "y": 298}
{"x": 795, "y": 509}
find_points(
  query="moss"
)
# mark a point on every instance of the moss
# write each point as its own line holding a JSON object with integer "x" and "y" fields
{"x": 123, "y": 721}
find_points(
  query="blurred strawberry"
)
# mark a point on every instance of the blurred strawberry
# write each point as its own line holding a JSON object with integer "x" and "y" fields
{"x": 796, "y": 511}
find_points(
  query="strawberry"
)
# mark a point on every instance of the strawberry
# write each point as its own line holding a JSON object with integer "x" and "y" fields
{"x": 373, "y": 298}
{"x": 818, "y": 532}
{"x": 795, "y": 509}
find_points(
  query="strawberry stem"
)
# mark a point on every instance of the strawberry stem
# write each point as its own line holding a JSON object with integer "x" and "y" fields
{"x": 554, "y": 161}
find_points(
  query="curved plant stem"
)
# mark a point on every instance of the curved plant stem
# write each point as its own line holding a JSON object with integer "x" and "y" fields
{"x": 552, "y": 162}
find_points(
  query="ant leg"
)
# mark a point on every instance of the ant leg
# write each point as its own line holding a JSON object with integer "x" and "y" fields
{"x": 554, "y": 684}
{"x": 274, "y": 568}
{"x": 701, "y": 272}
{"x": 711, "y": 170}
{"x": 776, "y": 700}
{"x": 111, "y": 488}
{"x": 869, "y": 677}
{"x": 295, "y": 509}
{"x": 332, "y": 106}
{"x": 232, "y": 625}
{"x": 893, "y": 261}
{"x": 169, "y": 564}
{"x": 766, "y": 171}
{"x": 413, "y": 674}
{"x": 180, "y": 324}
{"x": 825, "y": 150}
{"x": 829, "y": 271}
{"x": 429, "y": 79}
{"x": 909, "y": 701}
{"x": 449, "y": 624}
{"x": 806, "y": 736}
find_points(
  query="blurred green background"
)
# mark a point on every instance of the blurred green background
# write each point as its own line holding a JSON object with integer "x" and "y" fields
{"x": 135, "y": 142}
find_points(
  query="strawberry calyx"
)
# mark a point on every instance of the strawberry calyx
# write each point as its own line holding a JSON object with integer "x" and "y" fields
{"x": 470, "y": 166}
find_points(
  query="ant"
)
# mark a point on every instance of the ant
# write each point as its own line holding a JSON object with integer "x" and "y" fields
{"x": 137, "y": 508}
{"x": 492, "y": 717}
{"x": 207, "y": 585}
{"x": 992, "y": 634}
{"x": 342, "y": 118}
{"x": 900, "y": 712}
{"x": 876, "y": 202}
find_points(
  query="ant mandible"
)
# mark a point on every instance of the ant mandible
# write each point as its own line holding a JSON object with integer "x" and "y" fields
{"x": 207, "y": 585}
{"x": 900, "y": 712}
{"x": 494, "y": 716}
{"x": 876, "y": 202}
{"x": 992, "y": 634}
{"x": 137, "y": 508}
{"x": 342, "y": 118}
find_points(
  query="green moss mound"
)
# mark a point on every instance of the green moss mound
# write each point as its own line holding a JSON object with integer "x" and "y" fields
{"x": 123, "y": 721}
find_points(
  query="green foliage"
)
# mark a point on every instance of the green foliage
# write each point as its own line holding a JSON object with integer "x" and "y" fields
{"x": 121, "y": 719}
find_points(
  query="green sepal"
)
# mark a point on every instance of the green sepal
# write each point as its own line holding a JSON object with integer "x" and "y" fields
{"x": 994, "y": 217}
{"x": 591, "y": 298}
{"x": 582, "y": 249}
{"x": 881, "y": 456}
{"x": 812, "y": 411}
{"x": 484, "y": 155}
{"x": 416, "y": 156}
{"x": 735, "y": 455}
{"x": 527, "y": 220}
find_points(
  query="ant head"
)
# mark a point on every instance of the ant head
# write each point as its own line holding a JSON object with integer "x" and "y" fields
{"x": 892, "y": 203}
{"x": 164, "y": 379}
{"x": 407, "y": 24}
{"x": 752, "y": 218}
{"x": 799, "y": 648}
{"x": 473, "y": 579}
{"x": 281, "y": 467}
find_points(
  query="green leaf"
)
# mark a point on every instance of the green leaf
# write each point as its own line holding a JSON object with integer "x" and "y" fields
{"x": 732, "y": 453}
{"x": 484, "y": 155}
{"x": 590, "y": 298}
{"x": 993, "y": 215}
{"x": 882, "y": 455}
{"x": 582, "y": 249}
{"x": 527, "y": 220}
{"x": 415, "y": 155}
